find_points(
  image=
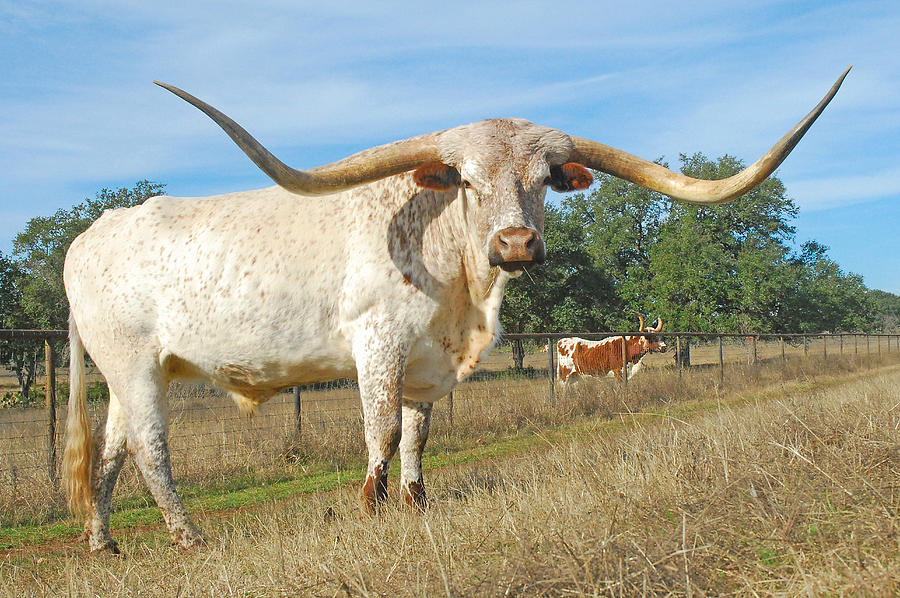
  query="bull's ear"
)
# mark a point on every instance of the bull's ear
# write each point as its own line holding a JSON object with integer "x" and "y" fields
{"x": 437, "y": 176}
{"x": 570, "y": 176}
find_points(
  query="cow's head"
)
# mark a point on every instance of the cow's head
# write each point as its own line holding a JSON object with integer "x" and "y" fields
{"x": 651, "y": 342}
{"x": 502, "y": 169}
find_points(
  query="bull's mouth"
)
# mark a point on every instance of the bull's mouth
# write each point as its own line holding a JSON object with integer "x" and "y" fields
{"x": 516, "y": 266}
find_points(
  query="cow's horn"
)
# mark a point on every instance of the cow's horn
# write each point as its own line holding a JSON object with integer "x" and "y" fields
{"x": 658, "y": 178}
{"x": 658, "y": 326}
{"x": 363, "y": 167}
{"x": 641, "y": 318}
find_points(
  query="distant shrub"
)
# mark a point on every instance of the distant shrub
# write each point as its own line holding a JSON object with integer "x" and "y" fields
{"x": 97, "y": 392}
{"x": 13, "y": 398}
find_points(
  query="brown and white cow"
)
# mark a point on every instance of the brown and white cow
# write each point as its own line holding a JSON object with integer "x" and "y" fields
{"x": 388, "y": 267}
{"x": 576, "y": 357}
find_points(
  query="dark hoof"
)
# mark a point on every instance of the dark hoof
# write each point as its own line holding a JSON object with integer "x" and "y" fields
{"x": 413, "y": 496}
{"x": 110, "y": 548}
{"x": 187, "y": 539}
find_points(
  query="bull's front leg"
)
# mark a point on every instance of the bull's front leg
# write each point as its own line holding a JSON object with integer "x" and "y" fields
{"x": 416, "y": 421}
{"x": 381, "y": 369}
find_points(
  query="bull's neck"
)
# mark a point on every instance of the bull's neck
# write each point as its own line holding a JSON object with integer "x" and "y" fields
{"x": 634, "y": 348}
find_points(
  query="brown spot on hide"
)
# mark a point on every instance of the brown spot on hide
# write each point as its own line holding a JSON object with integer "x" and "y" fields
{"x": 563, "y": 373}
{"x": 436, "y": 176}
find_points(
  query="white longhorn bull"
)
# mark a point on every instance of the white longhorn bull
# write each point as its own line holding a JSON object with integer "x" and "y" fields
{"x": 389, "y": 269}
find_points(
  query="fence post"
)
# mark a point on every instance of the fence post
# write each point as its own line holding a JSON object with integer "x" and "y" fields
{"x": 805, "y": 345}
{"x": 856, "y": 343}
{"x": 298, "y": 414}
{"x": 551, "y": 350}
{"x": 755, "y": 354}
{"x": 721, "y": 363}
{"x": 50, "y": 365}
{"x": 624, "y": 367}
{"x": 842, "y": 343}
{"x": 825, "y": 346}
{"x": 450, "y": 405}
{"x": 783, "y": 360}
{"x": 678, "y": 354}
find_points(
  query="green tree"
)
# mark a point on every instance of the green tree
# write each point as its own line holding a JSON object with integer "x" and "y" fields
{"x": 827, "y": 299}
{"x": 43, "y": 244}
{"x": 724, "y": 268}
{"x": 621, "y": 223}
{"x": 19, "y": 356}
{"x": 887, "y": 310}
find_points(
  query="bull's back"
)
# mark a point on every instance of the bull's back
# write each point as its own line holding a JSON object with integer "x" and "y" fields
{"x": 236, "y": 281}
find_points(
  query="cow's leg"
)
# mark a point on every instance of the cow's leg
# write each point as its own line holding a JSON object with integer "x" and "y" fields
{"x": 636, "y": 368}
{"x": 381, "y": 368}
{"x": 147, "y": 413}
{"x": 416, "y": 421}
{"x": 109, "y": 455}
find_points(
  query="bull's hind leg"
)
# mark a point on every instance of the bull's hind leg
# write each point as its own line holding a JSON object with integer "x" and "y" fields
{"x": 147, "y": 415}
{"x": 416, "y": 422}
{"x": 109, "y": 455}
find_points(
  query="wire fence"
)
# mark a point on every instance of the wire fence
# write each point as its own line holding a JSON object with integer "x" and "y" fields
{"x": 210, "y": 440}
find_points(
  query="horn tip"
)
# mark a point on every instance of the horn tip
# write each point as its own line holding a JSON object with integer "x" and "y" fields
{"x": 843, "y": 76}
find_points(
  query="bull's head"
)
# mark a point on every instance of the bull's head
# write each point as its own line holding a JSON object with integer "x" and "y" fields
{"x": 651, "y": 343}
{"x": 501, "y": 169}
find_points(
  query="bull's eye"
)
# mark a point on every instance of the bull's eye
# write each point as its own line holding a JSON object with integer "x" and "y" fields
{"x": 546, "y": 181}
{"x": 467, "y": 184}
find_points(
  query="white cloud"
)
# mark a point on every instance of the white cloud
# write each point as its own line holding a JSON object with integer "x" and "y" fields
{"x": 830, "y": 192}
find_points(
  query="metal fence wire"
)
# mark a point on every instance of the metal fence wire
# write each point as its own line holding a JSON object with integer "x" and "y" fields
{"x": 209, "y": 439}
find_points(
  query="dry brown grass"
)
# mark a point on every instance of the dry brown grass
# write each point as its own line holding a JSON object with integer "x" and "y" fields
{"x": 214, "y": 447}
{"x": 788, "y": 492}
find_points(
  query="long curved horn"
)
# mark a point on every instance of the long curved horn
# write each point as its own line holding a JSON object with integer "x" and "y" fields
{"x": 658, "y": 326}
{"x": 366, "y": 166}
{"x": 641, "y": 318}
{"x": 658, "y": 178}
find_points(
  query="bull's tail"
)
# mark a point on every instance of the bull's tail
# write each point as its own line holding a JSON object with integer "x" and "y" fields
{"x": 76, "y": 468}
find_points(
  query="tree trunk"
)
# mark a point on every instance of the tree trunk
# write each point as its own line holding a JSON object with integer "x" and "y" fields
{"x": 25, "y": 373}
{"x": 518, "y": 353}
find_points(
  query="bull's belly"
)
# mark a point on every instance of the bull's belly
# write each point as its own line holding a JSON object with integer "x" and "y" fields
{"x": 262, "y": 377}
{"x": 257, "y": 373}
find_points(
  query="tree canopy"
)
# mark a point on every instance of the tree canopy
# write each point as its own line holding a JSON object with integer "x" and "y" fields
{"x": 728, "y": 268}
{"x": 41, "y": 249}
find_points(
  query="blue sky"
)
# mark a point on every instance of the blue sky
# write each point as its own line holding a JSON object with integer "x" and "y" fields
{"x": 79, "y": 112}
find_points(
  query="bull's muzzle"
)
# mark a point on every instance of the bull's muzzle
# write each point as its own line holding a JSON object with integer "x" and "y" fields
{"x": 516, "y": 247}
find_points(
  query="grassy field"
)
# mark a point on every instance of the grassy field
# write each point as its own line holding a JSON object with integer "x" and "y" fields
{"x": 781, "y": 481}
{"x": 214, "y": 447}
